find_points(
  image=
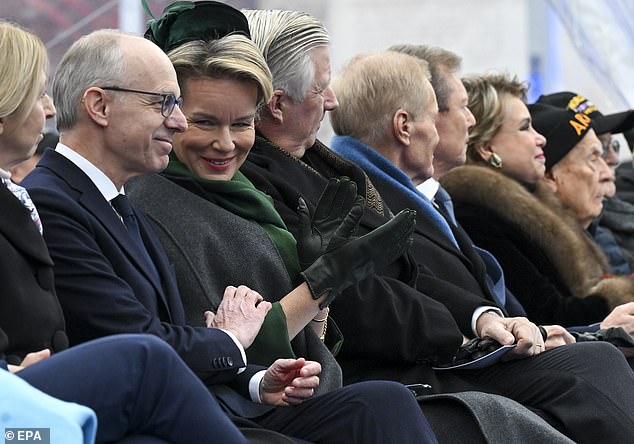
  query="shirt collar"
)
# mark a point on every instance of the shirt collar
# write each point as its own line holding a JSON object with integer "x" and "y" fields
{"x": 429, "y": 188}
{"x": 105, "y": 186}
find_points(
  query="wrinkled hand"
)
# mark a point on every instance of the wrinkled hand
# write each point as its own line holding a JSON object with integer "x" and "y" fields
{"x": 289, "y": 382}
{"x": 508, "y": 331}
{"x": 335, "y": 220}
{"x": 557, "y": 336}
{"x": 30, "y": 359}
{"x": 358, "y": 258}
{"x": 622, "y": 316}
{"x": 241, "y": 312}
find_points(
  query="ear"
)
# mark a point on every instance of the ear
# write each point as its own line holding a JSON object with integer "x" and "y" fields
{"x": 1, "y": 125}
{"x": 402, "y": 126}
{"x": 485, "y": 151}
{"x": 277, "y": 105}
{"x": 97, "y": 105}
{"x": 550, "y": 179}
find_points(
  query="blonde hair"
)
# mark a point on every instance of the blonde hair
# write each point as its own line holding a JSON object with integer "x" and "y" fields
{"x": 285, "y": 39}
{"x": 486, "y": 101}
{"x": 231, "y": 57}
{"x": 370, "y": 89}
{"x": 23, "y": 66}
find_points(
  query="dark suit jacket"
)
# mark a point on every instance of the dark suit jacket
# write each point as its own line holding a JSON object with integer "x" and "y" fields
{"x": 391, "y": 330}
{"x": 104, "y": 285}
{"x": 30, "y": 316}
{"x": 460, "y": 274}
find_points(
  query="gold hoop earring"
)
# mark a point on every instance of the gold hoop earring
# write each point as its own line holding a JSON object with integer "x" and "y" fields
{"x": 495, "y": 161}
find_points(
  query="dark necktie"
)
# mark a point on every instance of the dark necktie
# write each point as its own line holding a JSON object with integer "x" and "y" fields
{"x": 122, "y": 205}
{"x": 443, "y": 200}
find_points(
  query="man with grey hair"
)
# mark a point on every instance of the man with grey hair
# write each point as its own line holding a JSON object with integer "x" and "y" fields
{"x": 454, "y": 117}
{"x": 119, "y": 103}
{"x": 453, "y": 123}
{"x": 287, "y": 162}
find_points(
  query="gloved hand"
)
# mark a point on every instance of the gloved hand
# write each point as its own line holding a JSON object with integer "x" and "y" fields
{"x": 336, "y": 218}
{"x": 614, "y": 335}
{"x": 354, "y": 260}
{"x": 472, "y": 350}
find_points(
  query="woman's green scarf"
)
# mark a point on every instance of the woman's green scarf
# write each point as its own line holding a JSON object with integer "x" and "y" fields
{"x": 240, "y": 197}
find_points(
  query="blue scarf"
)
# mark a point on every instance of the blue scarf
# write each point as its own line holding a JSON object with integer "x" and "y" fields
{"x": 375, "y": 165}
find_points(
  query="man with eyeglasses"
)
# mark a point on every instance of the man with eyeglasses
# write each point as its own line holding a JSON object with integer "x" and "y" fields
{"x": 614, "y": 229}
{"x": 118, "y": 104}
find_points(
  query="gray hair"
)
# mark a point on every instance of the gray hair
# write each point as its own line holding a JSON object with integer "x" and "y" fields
{"x": 95, "y": 59}
{"x": 372, "y": 87}
{"x": 285, "y": 39}
{"x": 439, "y": 60}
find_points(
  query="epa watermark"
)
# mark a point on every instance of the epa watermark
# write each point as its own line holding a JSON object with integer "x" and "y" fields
{"x": 27, "y": 436}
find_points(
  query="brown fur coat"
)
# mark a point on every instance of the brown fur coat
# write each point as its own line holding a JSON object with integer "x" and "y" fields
{"x": 577, "y": 259}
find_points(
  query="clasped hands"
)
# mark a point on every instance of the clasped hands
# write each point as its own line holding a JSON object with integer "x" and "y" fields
{"x": 286, "y": 381}
{"x": 523, "y": 333}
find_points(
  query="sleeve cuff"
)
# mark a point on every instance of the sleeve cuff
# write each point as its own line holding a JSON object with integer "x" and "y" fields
{"x": 478, "y": 312}
{"x": 235, "y": 340}
{"x": 254, "y": 386}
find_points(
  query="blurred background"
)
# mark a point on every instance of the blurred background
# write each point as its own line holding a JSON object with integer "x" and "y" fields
{"x": 585, "y": 46}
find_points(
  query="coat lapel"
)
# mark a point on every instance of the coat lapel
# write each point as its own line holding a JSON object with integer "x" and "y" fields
{"x": 94, "y": 202}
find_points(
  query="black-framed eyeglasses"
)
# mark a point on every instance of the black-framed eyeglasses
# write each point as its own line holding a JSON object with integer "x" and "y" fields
{"x": 167, "y": 105}
{"x": 614, "y": 144}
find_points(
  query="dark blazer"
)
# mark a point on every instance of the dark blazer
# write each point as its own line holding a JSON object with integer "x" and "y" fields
{"x": 30, "y": 316}
{"x": 460, "y": 274}
{"x": 420, "y": 328}
{"x": 103, "y": 282}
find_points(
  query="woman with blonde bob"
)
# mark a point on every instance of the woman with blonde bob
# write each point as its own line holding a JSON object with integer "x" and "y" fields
{"x": 514, "y": 200}
{"x": 114, "y": 376}
{"x": 219, "y": 230}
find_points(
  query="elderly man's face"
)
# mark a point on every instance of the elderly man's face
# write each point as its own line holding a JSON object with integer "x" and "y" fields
{"x": 302, "y": 120}
{"x": 577, "y": 178}
{"x": 139, "y": 138}
{"x": 453, "y": 124}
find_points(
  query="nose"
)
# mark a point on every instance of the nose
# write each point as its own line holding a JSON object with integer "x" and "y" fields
{"x": 176, "y": 121}
{"x": 540, "y": 140}
{"x": 471, "y": 120}
{"x": 223, "y": 140}
{"x": 606, "y": 173}
{"x": 49, "y": 107}
{"x": 607, "y": 178}
{"x": 330, "y": 99}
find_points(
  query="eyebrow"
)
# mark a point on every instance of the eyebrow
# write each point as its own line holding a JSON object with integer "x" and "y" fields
{"x": 202, "y": 114}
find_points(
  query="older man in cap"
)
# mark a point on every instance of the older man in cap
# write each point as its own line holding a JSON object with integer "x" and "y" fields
{"x": 287, "y": 161}
{"x": 614, "y": 229}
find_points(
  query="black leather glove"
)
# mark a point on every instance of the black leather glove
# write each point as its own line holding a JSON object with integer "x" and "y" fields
{"x": 335, "y": 219}
{"x": 614, "y": 335}
{"x": 472, "y": 350}
{"x": 354, "y": 260}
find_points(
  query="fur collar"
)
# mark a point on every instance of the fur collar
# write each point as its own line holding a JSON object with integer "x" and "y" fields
{"x": 540, "y": 216}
